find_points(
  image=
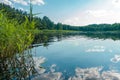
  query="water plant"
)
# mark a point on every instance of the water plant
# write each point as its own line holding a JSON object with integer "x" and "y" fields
{"x": 14, "y": 37}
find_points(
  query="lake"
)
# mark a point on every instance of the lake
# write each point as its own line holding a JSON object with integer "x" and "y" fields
{"x": 78, "y": 57}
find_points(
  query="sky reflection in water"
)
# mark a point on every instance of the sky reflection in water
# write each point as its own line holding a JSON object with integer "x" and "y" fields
{"x": 80, "y": 58}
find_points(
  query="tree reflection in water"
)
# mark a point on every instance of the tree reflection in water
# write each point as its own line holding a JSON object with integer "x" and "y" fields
{"x": 23, "y": 66}
{"x": 48, "y": 38}
{"x": 17, "y": 67}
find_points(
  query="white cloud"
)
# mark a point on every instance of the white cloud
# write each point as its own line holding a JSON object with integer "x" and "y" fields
{"x": 101, "y": 11}
{"x": 23, "y": 2}
{"x": 8, "y": 2}
{"x": 38, "y": 2}
{"x": 94, "y": 17}
{"x": 72, "y": 21}
{"x": 116, "y": 59}
{"x": 116, "y": 3}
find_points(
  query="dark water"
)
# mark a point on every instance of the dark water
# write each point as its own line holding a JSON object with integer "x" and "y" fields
{"x": 81, "y": 57}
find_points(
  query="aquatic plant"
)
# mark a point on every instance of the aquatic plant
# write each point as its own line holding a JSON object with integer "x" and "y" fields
{"x": 14, "y": 37}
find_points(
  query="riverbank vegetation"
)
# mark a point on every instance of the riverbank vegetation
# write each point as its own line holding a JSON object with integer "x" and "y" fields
{"x": 14, "y": 37}
{"x": 46, "y": 24}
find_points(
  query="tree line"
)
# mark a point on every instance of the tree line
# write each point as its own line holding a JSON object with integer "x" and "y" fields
{"x": 46, "y": 23}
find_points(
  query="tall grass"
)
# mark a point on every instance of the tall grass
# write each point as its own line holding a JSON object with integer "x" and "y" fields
{"x": 14, "y": 37}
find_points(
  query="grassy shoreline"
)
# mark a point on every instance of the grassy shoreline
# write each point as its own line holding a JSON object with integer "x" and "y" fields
{"x": 71, "y": 31}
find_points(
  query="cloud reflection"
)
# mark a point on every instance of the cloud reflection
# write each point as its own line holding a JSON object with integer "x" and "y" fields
{"x": 93, "y": 73}
{"x": 87, "y": 74}
{"x": 38, "y": 61}
{"x": 110, "y": 75}
{"x": 49, "y": 76}
{"x": 52, "y": 75}
{"x": 96, "y": 49}
{"x": 52, "y": 68}
{"x": 116, "y": 59}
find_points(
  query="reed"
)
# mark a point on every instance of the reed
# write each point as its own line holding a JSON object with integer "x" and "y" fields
{"x": 14, "y": 37}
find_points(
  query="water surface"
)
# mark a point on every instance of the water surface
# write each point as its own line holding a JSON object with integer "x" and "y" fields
{"x": 80, "y": 58}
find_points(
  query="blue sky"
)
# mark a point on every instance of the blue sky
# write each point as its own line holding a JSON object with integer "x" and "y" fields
{"x": 73, "y": 12}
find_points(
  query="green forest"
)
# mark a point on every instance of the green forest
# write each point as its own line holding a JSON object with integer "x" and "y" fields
{"x": 46, "y": 24}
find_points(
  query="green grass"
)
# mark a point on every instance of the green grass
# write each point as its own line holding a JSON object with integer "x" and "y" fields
{"x": 54, "y": 31}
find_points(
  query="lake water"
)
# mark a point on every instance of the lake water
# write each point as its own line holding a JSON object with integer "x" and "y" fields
{"x": 79, "y": 58}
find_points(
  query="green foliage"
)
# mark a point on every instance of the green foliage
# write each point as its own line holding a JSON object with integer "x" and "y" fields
{"x": 45, "y": 23}
{"x": 101, "y": 27}
{"x": 14, "y": 37}
{"x": 12, "y": 13}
